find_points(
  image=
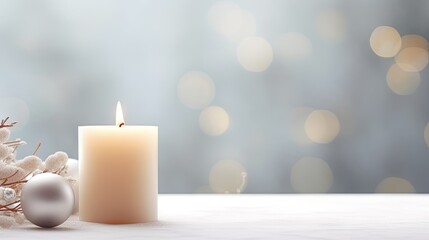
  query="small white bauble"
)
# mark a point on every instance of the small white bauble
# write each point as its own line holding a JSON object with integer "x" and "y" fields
{"x": 47, "y": 200}
{"x": 9, "y": 194}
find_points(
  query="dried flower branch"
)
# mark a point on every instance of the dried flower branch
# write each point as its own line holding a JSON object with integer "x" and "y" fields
{"x": 37, "y": 148}
{"x": 14, "y": 209}
{"x": 5, "y": 179}
{"x": 4, "y": 123}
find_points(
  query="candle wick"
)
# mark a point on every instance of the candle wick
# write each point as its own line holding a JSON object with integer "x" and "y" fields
{"x": 122, "y": 124}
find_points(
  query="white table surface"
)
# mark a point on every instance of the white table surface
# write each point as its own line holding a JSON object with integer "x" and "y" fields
{"x": 260, "y": 217}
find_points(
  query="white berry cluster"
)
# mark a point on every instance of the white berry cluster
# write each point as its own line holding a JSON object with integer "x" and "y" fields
{"x": 15, "y": 173}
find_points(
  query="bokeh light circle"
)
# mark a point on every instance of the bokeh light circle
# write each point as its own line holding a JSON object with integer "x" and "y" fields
{"x": 214, "y": 120}
{"x": 225, "y": 17}
{"x": 414, "y": 40}
{"x": 228, "y": 19}
{"x": 322, "y": 126}
{"x": 402, "y": 82}
{"x": 332, "y": 25}
{"x": 395, "y": 185}
{"x": 294, "y": 46}
{"x": 385, "y": 41}
{"x": 311, "y": 175}
{"x": 255, "y": 54}
{"x": 196, "y": 89}
{"x": 412, "y": 59}
{"x": 228, "y": 176}
{"x": 247, "y": 27}
{"x": 426, "y": 134}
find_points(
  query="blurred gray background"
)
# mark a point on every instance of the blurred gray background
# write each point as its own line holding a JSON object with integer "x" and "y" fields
{"x": 250, "y": 96}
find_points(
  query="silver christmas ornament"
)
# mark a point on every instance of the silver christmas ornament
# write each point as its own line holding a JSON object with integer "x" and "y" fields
{"x": 47, "y": 200}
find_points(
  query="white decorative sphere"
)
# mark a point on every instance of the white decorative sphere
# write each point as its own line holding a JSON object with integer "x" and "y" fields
{"x": 47, "y": 200}
{"x": 9, "y": 194}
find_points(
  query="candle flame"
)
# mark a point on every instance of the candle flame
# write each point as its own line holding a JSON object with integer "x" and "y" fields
{"x": 119, "y": 116}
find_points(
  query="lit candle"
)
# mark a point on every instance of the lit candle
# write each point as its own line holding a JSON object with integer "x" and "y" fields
{"x": 118, "y": 167}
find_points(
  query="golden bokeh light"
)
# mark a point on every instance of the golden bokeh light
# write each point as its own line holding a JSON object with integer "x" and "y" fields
{"x": 230, "y": 20}
{"x": 426, "y": 134}
{"x": 311, "y": 175}
{"x": 385, "y": 41}
{"x": 247, "y": 27}
{"x": 332, "y": 25}
{"x": 225, "y": 17}
{"x": 402, "y": 82}
{"x": 412, "y": 59}
{"x": 196, "y": 89}
{"x": 414, "y": 40}
{"x": 322, "y": 126}
{"x": 395, "y": 185}
{"x": 295, "y": 46}
{"x": 214, "y": 120}
{"x": 228, "y": 176}
{"x": 255, "y": 54}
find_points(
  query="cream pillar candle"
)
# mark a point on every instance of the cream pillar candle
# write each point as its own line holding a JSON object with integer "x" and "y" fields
{"x": 118, "y": 167}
